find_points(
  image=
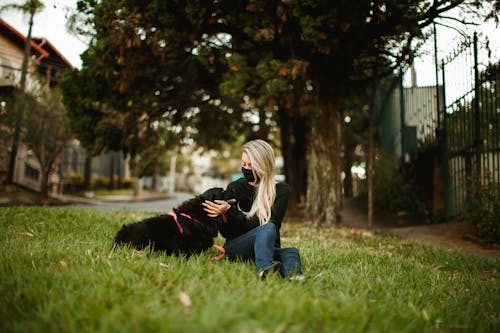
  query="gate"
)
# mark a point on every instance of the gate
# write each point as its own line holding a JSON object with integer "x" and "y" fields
{"x": 469, "y": 126}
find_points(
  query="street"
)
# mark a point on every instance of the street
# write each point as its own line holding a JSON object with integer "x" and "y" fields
{"x": 162, "y": 205}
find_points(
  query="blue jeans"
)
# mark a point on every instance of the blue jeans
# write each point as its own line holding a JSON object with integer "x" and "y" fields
{"x": 258, "y": 244}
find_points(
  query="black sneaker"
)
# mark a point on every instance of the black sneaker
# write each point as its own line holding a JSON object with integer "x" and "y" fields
{"x": 274, "y": 267}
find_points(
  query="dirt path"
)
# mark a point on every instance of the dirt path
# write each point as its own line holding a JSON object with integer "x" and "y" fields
{"x": 455, "y": 235}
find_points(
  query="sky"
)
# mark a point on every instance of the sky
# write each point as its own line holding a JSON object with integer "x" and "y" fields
{"x": 448, "y": 40}
{"x": 50, "y": 23}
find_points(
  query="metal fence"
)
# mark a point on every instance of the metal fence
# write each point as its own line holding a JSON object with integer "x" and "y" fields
{"x": 457, "y": 111}
{"x": 468, "y": 125}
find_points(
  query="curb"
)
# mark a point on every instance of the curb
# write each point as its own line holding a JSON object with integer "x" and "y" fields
{"x": 116, "y": 199}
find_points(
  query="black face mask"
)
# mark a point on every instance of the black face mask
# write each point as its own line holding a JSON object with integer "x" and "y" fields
{"x": 248, "y": 174}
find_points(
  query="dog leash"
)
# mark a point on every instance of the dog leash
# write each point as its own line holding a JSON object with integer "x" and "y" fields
{"x": 218, "y": 247}
{"x": 222, "y": 252}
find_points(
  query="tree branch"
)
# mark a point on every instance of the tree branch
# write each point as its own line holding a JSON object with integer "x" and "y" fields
{"x": 457, "y": 20}
{"x": 433, "y": 12}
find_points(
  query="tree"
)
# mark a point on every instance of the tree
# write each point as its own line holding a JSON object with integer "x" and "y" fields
{"x": 83, "y": 113}
{"x": 151, "y": 71}
{"x": 278, "y": 94}
{"x": 7, "y": 124}
{"x": 30, "y": 7}
{"x": 180, "y": 50}
{"x": 47, "y": 130}
{"x": 349, "y": 47}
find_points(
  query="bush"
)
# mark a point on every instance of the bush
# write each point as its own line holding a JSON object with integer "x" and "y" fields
{"x": 74, "y": 183}
{"x": 128, "y": 182}
{"x": 394, "y": 190}
{"x": 484, "y": 210}
{"x": 100, "y": 183}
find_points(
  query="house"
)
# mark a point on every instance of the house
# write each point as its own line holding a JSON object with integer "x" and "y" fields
{"x": 45, "y": 61}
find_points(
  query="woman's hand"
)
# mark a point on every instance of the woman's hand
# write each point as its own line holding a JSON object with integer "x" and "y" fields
{"x": 216, "y": 208}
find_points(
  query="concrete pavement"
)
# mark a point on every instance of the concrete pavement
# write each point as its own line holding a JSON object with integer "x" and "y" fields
{"x": 152, "y": 202}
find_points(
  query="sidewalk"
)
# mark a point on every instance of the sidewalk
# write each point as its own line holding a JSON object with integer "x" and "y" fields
{"x": 27, "y": 198}
{"x": 454, "y": 235}
{"x": 123, "y": 198}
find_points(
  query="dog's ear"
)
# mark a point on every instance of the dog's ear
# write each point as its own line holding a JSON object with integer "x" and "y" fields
{"x": 212, "y": 194}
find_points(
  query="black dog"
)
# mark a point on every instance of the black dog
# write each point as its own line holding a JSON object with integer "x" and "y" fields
{"x": 187, "y": 229}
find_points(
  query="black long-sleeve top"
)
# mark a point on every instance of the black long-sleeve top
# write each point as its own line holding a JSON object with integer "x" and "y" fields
{"x": 238, "y": 223}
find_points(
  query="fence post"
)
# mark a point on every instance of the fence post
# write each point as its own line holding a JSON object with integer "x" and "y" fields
{"x": 402, "y": 118}
{"x": 444, "y": 147}
{"x": 477, "y": 115}
{"x": 436, "y": 62}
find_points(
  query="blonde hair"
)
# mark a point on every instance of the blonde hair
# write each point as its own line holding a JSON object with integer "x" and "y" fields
{"x": 262, "y": 158}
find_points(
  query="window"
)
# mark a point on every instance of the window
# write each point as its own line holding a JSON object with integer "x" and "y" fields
{"x": 31, "y": 172}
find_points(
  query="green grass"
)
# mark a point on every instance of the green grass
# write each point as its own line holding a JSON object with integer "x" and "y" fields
{"x": 58, "y": 274}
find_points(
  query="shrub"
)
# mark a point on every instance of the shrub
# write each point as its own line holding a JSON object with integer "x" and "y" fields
{"x": 101, "y": 183}
{"x": 394, "y": 189}
{"x": 484, "y": 210}
{"x": 128, "y": 182}
{"x": 74, "y": 182}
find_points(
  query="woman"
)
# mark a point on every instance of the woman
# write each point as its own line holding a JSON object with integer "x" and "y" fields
{"x": 251, "y": 226}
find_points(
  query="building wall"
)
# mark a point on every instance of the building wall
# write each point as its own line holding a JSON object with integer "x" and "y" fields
{"x": 73, "y": 162}
{"x": 27, "y": 170}
{"x": 421, "y": 111}
{"x": 11, "y": 60}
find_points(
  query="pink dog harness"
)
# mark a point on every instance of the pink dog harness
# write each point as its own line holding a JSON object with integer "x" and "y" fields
{"x": 174, "y": 215}
{"x": 218, "y": 247}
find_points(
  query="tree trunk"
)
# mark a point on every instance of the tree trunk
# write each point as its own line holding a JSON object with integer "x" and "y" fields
{"x": 20, "y": 105}
{"x": 46, "y": 167}
{"x": 119, "y": 168}
{"x": 156, "y": 167}
{"x": 301, "y": 133}
{"x": 87, "y": 173}
{"x": 293, "y": 147}
{"x": 171, "y": 177}
{"x": 286, "y": 151}
{"x": 112, "y": 171}
{"x": 45, "y": 179}
{"x": 263, "y": 132}
{"x": 370, "y": 166}
{"x": 348, "y": 175}
{"x": 324, "y": 186}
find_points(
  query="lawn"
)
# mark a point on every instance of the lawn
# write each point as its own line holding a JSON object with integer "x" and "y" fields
{"x": 59, "y": 274}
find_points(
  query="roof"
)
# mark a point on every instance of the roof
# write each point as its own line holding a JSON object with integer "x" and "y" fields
{"x": 48, "y": 56}
{"x": 19, "y": 39}
{"x": 54, "y": 54}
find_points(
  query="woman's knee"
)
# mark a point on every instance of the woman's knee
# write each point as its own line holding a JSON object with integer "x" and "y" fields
{"x": 268, "y": 228}
{"x": 267, "y": 231}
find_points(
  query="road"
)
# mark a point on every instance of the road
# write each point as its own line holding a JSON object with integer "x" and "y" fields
{"x": 162, "y": 205}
